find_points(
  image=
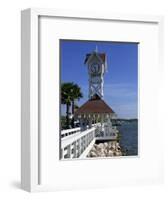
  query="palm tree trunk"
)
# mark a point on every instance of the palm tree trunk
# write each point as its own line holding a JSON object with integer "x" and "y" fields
{"x": 73, "y": 103}
{"x": 67, "y": 115}
{"x": 73, "y": 114}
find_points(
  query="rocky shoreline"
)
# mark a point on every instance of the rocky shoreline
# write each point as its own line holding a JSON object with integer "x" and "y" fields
{"x": 106, "y": 149}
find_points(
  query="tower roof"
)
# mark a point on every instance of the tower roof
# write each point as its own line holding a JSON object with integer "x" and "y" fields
{"x": 102, "y": 56}
{"x": 95, "y": 105}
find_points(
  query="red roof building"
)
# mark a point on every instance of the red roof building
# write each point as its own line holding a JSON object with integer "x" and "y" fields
{"x": 94, "y": 106}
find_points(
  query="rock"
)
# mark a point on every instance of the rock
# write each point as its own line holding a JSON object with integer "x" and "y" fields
{"x": 105, "y": 149}
{"x": 100, "y": 146}
{"x": 100, "y": 152}
{"x": 117, "y": 145}
{"x": 106, "y": 144}
{"x": 109, "y": 145}
{"x": 118, "y": 153}
{"x": 101, "y": 155}
{"x": 110, "y": 153}
{"x": 93, "y": 154}
{"x": 113, "y": 146}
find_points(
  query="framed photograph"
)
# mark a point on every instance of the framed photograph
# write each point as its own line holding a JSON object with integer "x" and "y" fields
{"x": 90, "y": 86}
{"x": 99, "y": 110}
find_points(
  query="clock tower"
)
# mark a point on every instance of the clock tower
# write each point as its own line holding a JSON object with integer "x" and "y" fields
{"x": 97, "y": 66}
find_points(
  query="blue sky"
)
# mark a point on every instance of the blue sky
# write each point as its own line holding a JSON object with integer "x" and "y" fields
{"x": 121, "y": 80}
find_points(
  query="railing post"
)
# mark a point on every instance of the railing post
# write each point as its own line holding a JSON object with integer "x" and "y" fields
{"x": 81, "y": 143}
{"x": 74, "y": 147}
{"x": 75, "y": 150}
{"x": 87, "y": 139}
{"x": 78, "y": 148}
{"x": 69, "y": 151}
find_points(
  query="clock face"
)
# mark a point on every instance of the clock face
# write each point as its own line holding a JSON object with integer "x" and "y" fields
{"x": 95, "y": 68}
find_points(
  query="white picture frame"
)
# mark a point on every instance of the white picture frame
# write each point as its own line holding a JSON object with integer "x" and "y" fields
{"x": 31, "y": 89}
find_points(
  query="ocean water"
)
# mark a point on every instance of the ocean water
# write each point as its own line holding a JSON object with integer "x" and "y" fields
{"x": 129, "y": 138}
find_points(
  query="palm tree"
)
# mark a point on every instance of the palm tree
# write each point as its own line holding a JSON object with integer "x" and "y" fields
{"x": 77, "y": 94}
{"x": 66, "y": 98}
{"x": 69, "y": 93}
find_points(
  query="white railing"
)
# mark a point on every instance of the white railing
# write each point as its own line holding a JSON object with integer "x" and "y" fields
{"x": 67, "y": 132}
{"x": 74, "y": 145}
{"x": 105, "y": 132}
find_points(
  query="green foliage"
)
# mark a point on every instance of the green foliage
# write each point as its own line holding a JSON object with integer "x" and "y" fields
{"x": 64, "y": 122}
{"x": 69, "y": 93}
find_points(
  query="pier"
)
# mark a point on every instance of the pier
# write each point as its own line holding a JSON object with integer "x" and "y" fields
{"x": 77, "y": 143}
